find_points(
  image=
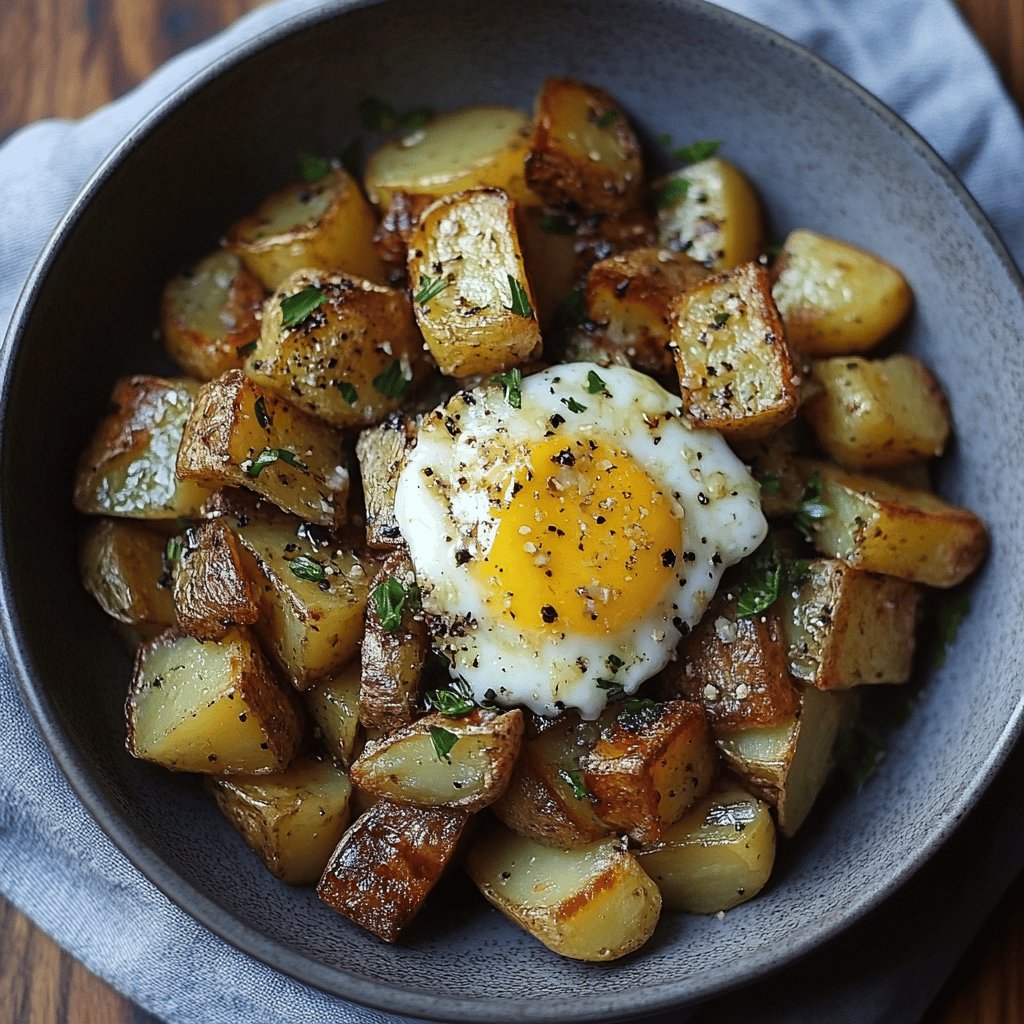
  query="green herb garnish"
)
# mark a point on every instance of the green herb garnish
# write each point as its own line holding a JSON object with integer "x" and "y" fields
{"x": 520, "y": 300}
{"x": 768, "y": 572}
{"x": 173, "y": 552}
{"x": 697, "y": 151}
{"x": 573, "y": 309}
{"x": 443, "y": 741}
{"x": 390, "y": 599}
{"x": 575, "y": 779}
{"x": 313, "y": 167}
{"x": 392, "y": 383}
{"x": 348, "y": 391}
{"x": 307, "y": 569}
{"x": 429, "y": 288}
{"x": 638, "y": 713}
{"x": 263, "y": 418}
{"x": 608, "y": 118}
{"x": 573, "y": 405}
{"x": 512, "y": 382}
{"x": 673, "y": 192}
{"x": 267, "y": 457}
{"x": 948, "y": 616}
{"x": 812, "y": 508}
{"x": 557, "y": 224}
{"x": 449, "y": 703}
{"x": 720, "y": 319}
{"x": 613, "y": 688}
{"x": 295, "y": 308}
{"x": 770, "y": 483}
{"x": 594, "y": 384}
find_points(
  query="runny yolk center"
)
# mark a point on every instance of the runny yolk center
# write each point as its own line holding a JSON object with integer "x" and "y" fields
{"x": 587, "y": 543}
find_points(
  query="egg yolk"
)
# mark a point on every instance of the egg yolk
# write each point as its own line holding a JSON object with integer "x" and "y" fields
{"x": 586, "y": 542}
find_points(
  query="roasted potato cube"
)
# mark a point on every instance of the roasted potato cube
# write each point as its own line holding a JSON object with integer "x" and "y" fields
{"x": 631, "y": 297}
{"x": 440, "y": 761}
{"x": 773, "y": 463}
{"x": 124, "y": 567}
{"x": 209, "y": 707}
{"x": 735, "y": 370}
{"x": 292, "y": 819}
{"x": 391, "y": 239}
{"x": 128, "y": 467}
{"x": 209, "y": 315}
{"x": 380, "y": 451}
{"x": 835, "y": 298}
{"x": 549, "y": 243}
{"x": 334, "y": 704}
{"x": 583, "y": 150}
{"x": 881, "y": 412}
{"x": 591, "y": 903}
{"x": 846, "y": 627}
{"x": 710, "y": 212}
{"x": 600, "y": 237}
{"x": 351, "y": 361}
{"x": 470, "y": 293}
{"x": 649, "y": 765}
{"x": 881, "y": 527}
{"x": 387, "y": 862}
{"x": 476, "y": 147}
{"x": 243, "y": 435}
{"x": 320, "y": 225}
{"x": 395, "y": 645}
{"x": 212, "y": 588}
{"x": 718, "y": 855}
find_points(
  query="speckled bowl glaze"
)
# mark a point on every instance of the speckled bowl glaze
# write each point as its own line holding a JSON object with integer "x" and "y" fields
{"x": 823, "y": 154}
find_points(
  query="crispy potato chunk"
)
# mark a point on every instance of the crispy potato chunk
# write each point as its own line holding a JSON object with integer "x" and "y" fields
{"x": 209, "y": 313}
{"x": 209, "y": 707}
{"x": 292, "y": 819}
{"x": 583, "y": 150}
{"x": 876, "y": 413}
{"x": 835, "y": 298}
{"x": 128, "y": 467}
{"x": 649, "y": 765}
{"x": 735, "y": 371}
{"x": 380, "y": 451}
{"x": 441, "y": 761}
{"x": 242, "y": 435}
{"x": 591, "y": 903}
{"x": 846, "y": 627}
{"x": 321, "y": 225}
{"x": 631, "y": 297}
{"x": 123, "y": 566}
{"x": 718, "y": 855}
{"x": 386, "y": 864}
{"x": 773, "y": 464}
{"x": 472, "y": 300}
{"x": 476, "y": 147}
{"x": 881, "y": 527}
{"x": 391, "y": 239}
{"x": 351, "y": 361}
{"x": 334, "y": 704}
{"x": 714, "y": 217}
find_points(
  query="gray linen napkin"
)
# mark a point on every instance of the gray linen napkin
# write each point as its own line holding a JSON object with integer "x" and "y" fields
{"x": 60, "y": 869}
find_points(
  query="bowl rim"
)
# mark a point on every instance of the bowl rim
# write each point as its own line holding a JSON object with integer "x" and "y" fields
{"x": 391, "y": 996}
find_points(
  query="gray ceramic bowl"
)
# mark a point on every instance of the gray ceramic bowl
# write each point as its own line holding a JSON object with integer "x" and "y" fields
{"x": 823, "y": 154}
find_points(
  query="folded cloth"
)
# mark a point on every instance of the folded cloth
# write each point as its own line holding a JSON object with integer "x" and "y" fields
{"x": 61, "y": 870}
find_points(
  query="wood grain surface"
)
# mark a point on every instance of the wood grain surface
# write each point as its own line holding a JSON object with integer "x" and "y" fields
{"x": 63, "y": 58}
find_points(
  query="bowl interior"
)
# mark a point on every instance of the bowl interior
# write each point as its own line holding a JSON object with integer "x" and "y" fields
{"x": 822, "y": 156}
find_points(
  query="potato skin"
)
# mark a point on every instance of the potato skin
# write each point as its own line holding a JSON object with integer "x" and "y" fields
{"x": 380, "y": 451}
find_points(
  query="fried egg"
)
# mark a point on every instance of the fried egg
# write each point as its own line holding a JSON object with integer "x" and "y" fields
{"x": 567, "y": 533}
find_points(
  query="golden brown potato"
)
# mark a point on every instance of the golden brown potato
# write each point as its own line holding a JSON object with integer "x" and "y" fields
{"x": 710, "y": 212}
{"x": 209, "y": 707}
{"x": 354, "y": 359}
{"x": 124, "y": 566}
{"x": 334, "y": 704}
{"x": 128, "y": 467}
{"x": 591, "y": 903}
{"x": 549, "y": 241}
{"x": 735, "y": 371}
{"x": 209, "y": 315}
{"x": 649, "y": 765}
{"x": 242, "y": 435}
{"x": 380, "y": 451}
{"x": 772, "y": 461}
{"x": 471, "y": 297}
{"x": 321, "y": 225}
{"x": 391, "y": 239}
{"x": 600, "y": 236}
{"x": 292, "y": 819}
{"x": 583, "y": 150}
{"x": 386, "y": 864}
{"x": 835, "y": 298}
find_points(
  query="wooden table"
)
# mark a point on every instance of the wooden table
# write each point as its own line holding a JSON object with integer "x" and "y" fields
{"x": 63, "y": 58}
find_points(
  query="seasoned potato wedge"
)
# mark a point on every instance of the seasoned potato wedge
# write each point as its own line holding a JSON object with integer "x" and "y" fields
{"x": 320, "y": 225}
{"x": 387, "y": 862}
{"x": 292, "y": 819}
{"x": 631, "y": 297}
{"x": 440, "y": 761}
{"x": 209, "y": 315}
{"x": 476, "y": 147}
{"x": 881, "y": 527}
{"x": 334, "y": 704}
{"x": 735, "y": 370}
{"x": 649, "y": 765}
{"x": 128, "y": 467}
{"x": 880, "y": 412}
{"x": 846, "y": 627}
{"x": 583, "y": 150}
{"x": 209, "y": 707}
{"x": 242, "y": 435}
{"x": 351, "y": 361}
{"x": 718, "y": 855}
{"x": 391, "y": 239}
{"x": 836, "y": 298}
{"x": 380, "y": 451}
{"x": 712, "y": 215}
{"x": 591, "y": 903}
{"x": 123, "y": 566}
{"x": 395, "y": 646}
{"x": 470, "y": 293}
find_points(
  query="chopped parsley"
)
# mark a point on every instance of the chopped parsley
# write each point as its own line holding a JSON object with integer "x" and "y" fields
{"x": 429, "y": 288}
{"x": 454, "y": 702}
{"x": 697, "y": 151}
{"x": 313, "y": 167}
{"x": 770, "y": 483}
{"x": 721, "y": 319}
{"x": 443, "y": 741}
{"x": 247, "y": 349}
{"x": 595, "y": 385}
{"x": 949, "y": 613}
{"x": 520, "y": 300}
{"x": 295, "y": 308}
{"x": 575, "y": 780}
{"x": 390, "y": 599}
{"x": 392, "y": 383}
{"x": 348, "y": 391}
{"x": 608, "y": 118}
{"x": 637, "y": 713}
{"x": 307, "y": 569}
{"x": 557, "y": 224}
{"x": 173, "y": 552}
{"x": 613, "y": 688}
{"x": 263, "y": 418}
{"x": 812, "y": 508}
{"x": 573, "y": 309}
{"x": 572, "y": 405}
{"x": 675, "y": 191}
{"x": 767, "y": 573}
{"x": 267, "y": 457}
{"x": 512, "y": 382}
